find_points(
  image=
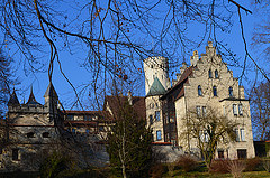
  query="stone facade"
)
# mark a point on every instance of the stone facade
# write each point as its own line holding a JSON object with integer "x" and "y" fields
{"x": 33, "y": 130}
{"x": 206, "y": 85}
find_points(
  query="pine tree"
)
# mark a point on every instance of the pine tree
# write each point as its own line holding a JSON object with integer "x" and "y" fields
{"x": 129, "y": 145}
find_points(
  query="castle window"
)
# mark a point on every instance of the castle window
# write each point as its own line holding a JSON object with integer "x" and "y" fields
{"x": 230, "y": 91}
{"x": 234, "y": 109}
{"x": 30, "y": 135}
{"x": 157, "y": 115}
{"x": 45, "y": 135}
{"x": 203, "y": 111}
{"x": 240, "y": 109}
{"x": 87, "y": 118}
{"x": 242, "y": 131}
{"x": 221, "y": 154}
{"x": 198, "y": 109}
{"x": 215, "y": 90}
{"x": 151, "y": 119}
{"x": 241, "y": 153}
{"x": 212, "y": 59}
{"x": 70, "y": 117}
{"x": 15, "y": 154}
{"x": 216, "y": 74}
{"x": 210, "y": 73}
{"x": 167, "y": 118}
{"x": 158, "y": 135}
{"x": 237, "y": 138}
{"x": 199, "y": 90}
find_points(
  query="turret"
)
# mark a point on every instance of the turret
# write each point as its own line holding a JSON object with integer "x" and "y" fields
{"x": 13, "y": 101}
{"x": 32, "y": 98}
{"x": 51, "y": 101}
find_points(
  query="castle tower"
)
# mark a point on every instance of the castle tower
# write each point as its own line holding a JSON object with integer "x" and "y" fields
{"x": 32, "y": 98}
{"x": 13, "y": 101}
{"x": 156, "y": 84}
{"x": 51, "y": 101}
{"x": 156, "y": 68}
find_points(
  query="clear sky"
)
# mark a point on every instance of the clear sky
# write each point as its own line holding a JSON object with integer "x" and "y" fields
{"x": 73, "y": 63}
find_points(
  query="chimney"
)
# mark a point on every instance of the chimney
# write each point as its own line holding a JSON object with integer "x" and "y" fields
{"x": 184, "y": 66}
{"x": 130, "y": 101}
{"x": 194, "y": 58}
{"x": 210, "y": 49}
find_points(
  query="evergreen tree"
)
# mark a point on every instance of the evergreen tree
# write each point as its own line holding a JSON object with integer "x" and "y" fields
{"x": 129, "y": 145}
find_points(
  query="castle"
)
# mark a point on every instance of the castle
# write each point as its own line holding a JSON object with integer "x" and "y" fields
{"x": 206, "y": 85}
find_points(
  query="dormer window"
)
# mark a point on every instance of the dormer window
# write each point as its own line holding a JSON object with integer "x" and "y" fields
{"x": 210, "y": 73}
{"x": 199, "y": 90}
{"x": 215, "y": 90}
{"x": 216, "y": 74}
{"x": 230, "y": 91}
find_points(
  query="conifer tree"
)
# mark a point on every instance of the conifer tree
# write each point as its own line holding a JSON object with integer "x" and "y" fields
{"x": 129, "y": 145}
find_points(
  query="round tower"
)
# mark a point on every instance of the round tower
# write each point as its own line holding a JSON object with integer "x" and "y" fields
{"x": 156, "y": 69}
{"x": 156, "y": 84}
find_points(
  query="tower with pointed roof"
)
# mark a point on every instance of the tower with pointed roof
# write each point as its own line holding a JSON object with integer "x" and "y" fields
{"x": 156, "y": 83}
{"x": 51, "y": 101}
{"x": 13, "y": 101}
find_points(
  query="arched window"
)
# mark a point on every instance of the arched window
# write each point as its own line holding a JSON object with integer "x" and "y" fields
{"x": 215, "y": 90}
{"x": 216, "y": 74}
{"x": 210, "y": 73}
{"x": 45, "y": 135}
{"x": 230, "y": 91}
{"x": 199, "y": 90}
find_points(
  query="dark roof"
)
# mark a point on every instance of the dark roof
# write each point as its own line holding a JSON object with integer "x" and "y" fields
{"x": 157, "y": 88}
{"x": 179, "y": 86}
{"x": 13, "y": 101}
{"x": 32, "y": 99}
{"x": 115, "y": 102}
{"x": 50, "y": 91}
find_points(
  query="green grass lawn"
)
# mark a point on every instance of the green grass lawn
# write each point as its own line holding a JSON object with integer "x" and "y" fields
{"x": 196, "y": 174}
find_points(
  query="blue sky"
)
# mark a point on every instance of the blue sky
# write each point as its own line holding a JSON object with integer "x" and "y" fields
{"x": 73, "y": 63}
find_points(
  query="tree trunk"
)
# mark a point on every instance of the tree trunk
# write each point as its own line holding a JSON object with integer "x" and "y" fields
{"x": 124, "y": 171}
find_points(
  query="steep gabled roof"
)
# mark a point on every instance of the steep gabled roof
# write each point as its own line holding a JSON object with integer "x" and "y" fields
{"x": 116, "y": 102}
{"x": 13, "y": 101}
{"x": 179, "y": 86}
{"x": 157, "y": 88}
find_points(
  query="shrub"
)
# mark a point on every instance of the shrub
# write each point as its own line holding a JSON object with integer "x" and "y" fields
{"x": 253, "y": 164}
{"x": 236, "y": 168}
{"x": 266, "y": 165}
{"x": 187, "y": 163}
{"x": 220, "y": 166}
{"x": 54, "y": 164}
{"x": 156, "y": 171}
{"x": 171, "y": 166}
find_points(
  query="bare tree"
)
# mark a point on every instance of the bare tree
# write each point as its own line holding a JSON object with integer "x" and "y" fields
{"x": 5, "y": 81}
{"x": 261, "y": 33}
{"x": 210, "y": 130}
{"x": 260, "y": 102}
{"x": 117, "y": 34}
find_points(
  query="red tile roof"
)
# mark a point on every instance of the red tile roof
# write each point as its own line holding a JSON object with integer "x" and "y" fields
{"x": 183, "y": 79}
{"x": 116, "y": 102}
